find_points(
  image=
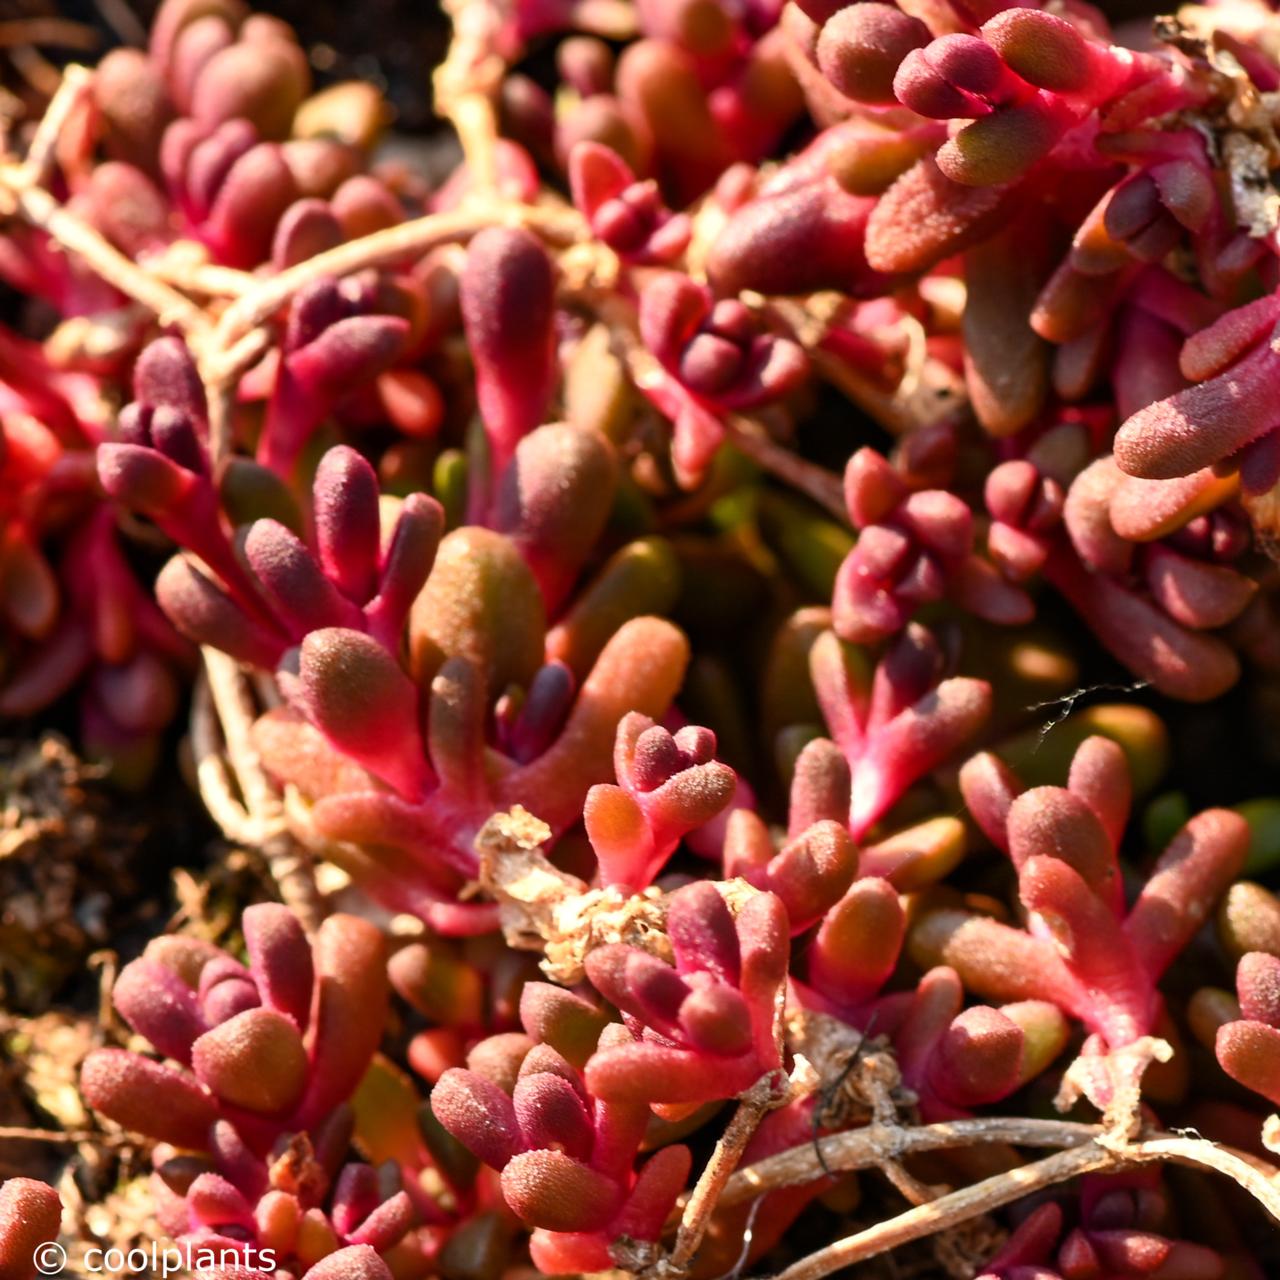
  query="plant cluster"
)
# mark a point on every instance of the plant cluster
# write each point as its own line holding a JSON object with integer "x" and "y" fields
{"x": 640, "y": 566}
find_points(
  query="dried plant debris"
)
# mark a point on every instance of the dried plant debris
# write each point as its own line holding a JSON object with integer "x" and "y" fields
{"x": 68, "y": 865}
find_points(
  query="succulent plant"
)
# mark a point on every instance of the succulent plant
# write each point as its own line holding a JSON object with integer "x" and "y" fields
{"x": 30, "y": 1217}
{"x": 1084, "y": 949}
{"x": 605, "y": 554}
{"x": 1121, "y": 1230}
{"x": 566, "y": 1155}
{"x": 254, "y": 1051}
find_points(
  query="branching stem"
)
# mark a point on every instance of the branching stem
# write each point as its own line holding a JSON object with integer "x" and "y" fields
{"x": 1089, "y": 1149}
{"x": 264, "y": 818}
{"x": 951, "y": 1210}
{"x": 705, "y": 1198}
{"x": 869, "y": 1147}
{"x": 41, "y": 210}
{"x": 406, "y": 241}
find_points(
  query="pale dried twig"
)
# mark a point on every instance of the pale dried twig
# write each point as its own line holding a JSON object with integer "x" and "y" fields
{"x": 817, "y": 483}
{"x": 35, "y": 167}
{"x": 871, "y": 1146}
{"x": 1089, "y": 1149}
{"x": 22, "y": 192}
{"x": 41, "y": 210}
{"x": 404, "y": 241}
{"x": 767, "y": 1093}
{"x": 220, "y": 372}
{"x": 927, "y": 393}
{"x": 185, "y": 266}
{"x": 212, "y": 775}
{"x": 774, "y": 1089}
{"x": 466, "y": 84}
{"x": 47, "y": 30}
{"x": 951, "y": 1210}
{"x": 267, "y": 829}
{"x": 64, "y": 1137}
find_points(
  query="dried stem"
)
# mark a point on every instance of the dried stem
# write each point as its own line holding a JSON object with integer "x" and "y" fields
{"x": 703, "y": 1201}
{"x": 102, "y": 335}
{"x": 906, "y": 1184}
{"x": 108, "y": 965}
{"x": 212, "y": 776}
{"x": 22, "y": 189}
{"x": 41, "y": 210}
{"x": 706, "y": 1193}
{"x": 1090, "y": 1150}
{"x": 951, "y": 1210}
{"x": 56, "y": 31}
{"x": 816, "y": 483}
{"x": 183, "y": 266}
{"x": 774, "y": 1089}
{"x": 236, "y": 713}
{"x": 35, "y": 69}
{"x": 220, "y": 371}
{"x": 64, "y": 1137}
{"x": 35, "y": 168}
{"x": 1259, "y": 1179}
{"x": 927, "y": 393}
{"x": 288, "y": 862}
{"x": 466, "y": 84}
{"x": 872, "y": 1146}
{"x": 407, "y": 240}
